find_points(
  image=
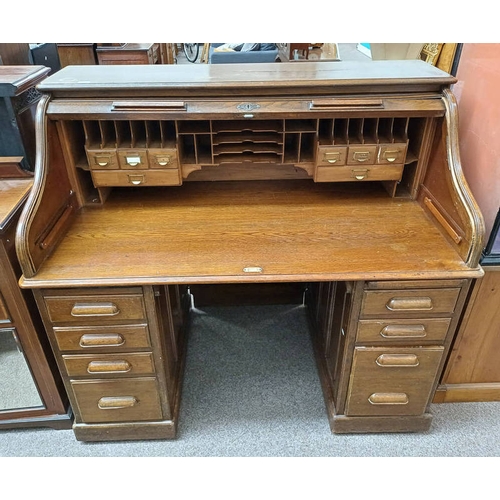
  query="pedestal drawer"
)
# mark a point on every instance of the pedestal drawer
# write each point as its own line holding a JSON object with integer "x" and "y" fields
{"x": 392, "y": 381}
{"x": 424, "y": 301}
{"x": 95, "y": 365}
{"x": 102, "y": 338}
{"x": 123, "y": 400}
{"x": 409, "y": 331}
{"x": 88, "y": 308}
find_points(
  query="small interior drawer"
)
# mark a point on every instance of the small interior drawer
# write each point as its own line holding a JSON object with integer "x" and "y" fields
{"x": 102, "y": 159}
{"x": 331, "y": 156}
{"x": 403, "y": 302}
{"x": 117, "y": 400}
{"x": 391, "y": 153}
{"x": 358, "y": 173}
{"x": 133, "y": 159}
{"x": 407, "y": 331}
{"x": 362, "y": 155}
{"x": 392, "y": 381}
{"x": 163, "y": 158}
{"x": 115, "y": 178}
{"x": 91, "y": 308}
{"x": 102, "y": 338}
{"x": 105, "y": 365}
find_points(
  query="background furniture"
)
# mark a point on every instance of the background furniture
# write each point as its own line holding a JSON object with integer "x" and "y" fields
{"x": 473, "y": 371}
{"x": 76, "y": 53}
{"x": 318, "y": 52}
{"x": 128, "y": 53}
{"x": 15, "y": 54}
{"x": 18, "y": 100}
{"x": 31, "y": 393}
{"x": 254, "y": 56}
{"x": 313, "y": 171}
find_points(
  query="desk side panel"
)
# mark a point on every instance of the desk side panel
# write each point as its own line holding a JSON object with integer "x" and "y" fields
{"x": 445, "y": 194}
{"x": 51, "y": 205}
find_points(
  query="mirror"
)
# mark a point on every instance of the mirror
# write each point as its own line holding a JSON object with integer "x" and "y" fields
{"x": 17, "y": 387}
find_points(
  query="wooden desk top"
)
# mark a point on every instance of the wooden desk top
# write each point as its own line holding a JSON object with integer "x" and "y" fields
{"x": 12, "y": 193}
{"x": 209, "y": 232}
{"x": 330, "y": 77}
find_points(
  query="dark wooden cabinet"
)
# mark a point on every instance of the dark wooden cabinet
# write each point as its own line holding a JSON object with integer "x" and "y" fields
{"x": 18, "y": 100}
{"x": 32, "y": 393}
{"x": 343, "y": 177}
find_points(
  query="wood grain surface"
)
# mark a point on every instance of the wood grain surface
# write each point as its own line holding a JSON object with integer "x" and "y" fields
{"x": 210, "y": 232}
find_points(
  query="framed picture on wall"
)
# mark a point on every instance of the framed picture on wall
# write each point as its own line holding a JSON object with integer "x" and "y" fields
{"x": 491, "y": 254}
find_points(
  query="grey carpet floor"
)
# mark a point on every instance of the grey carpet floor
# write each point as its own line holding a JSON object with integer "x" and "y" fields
{"x": 251, "y": 389}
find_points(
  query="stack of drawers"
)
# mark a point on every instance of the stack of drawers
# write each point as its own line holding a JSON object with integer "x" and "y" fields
{"x": 402, "y": 335}
{"x": 383, "y": 162}
{"x": 102, "y": 342}
{"x": 134, "y": 167}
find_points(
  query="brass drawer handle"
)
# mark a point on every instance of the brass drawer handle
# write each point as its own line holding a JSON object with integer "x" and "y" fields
{"x": 403, "y": 331}
{"x": 116, "y": 403}
{"x": 389, "y": 398}
{"x": 409, "y": 304}
{"x": 332, "y": 157}
{"x": 391, "y": 360}
{"x": 136, "y": 180}
{"x": 133, "y": 161}
{"x": 391, "y": 155}
{"x": 93, "y": 309}
{"x": 109, "y": 366}
{"x": 103, "y": 161}
{"x": 163, "y": 160}
{"x": 101, "y": 340}
{"x": 360, "y": 174}
{"x": 361, "y": 156}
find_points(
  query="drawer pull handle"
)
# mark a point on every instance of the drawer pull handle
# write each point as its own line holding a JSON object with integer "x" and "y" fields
{"x": 148, "y": 105}
{"x": 391, "y": 155}
{"x": 360, "y": 174}
{"x": 108, "y": 366}
{"x": 389, "y": 398}
{"x": 403, "y": 331}
{"x": 346, "y": 103}
{"x": 332, "y": 157}
{"x": 102, "y": 161}
{"x": 101, "y": 340}
{"x": 361, "y": 156}
{"x": 116, "y": 403}
{"x": 409, "y": 304}
{"x": 164, "y": 160}
{"x": 90, "y": 309}
{"x": 391, "y": 360}
{"x": 136, "y": 180}
{"x": 133, "y": 161}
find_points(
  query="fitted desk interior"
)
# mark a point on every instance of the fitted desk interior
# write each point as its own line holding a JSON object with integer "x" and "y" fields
{"x": 343, "y": 177}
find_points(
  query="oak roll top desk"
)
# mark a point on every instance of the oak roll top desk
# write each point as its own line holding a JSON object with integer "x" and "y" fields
{"x": 345, "y": 177}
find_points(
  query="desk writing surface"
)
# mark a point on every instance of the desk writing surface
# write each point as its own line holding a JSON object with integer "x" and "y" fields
{"x": 209, "y": 232}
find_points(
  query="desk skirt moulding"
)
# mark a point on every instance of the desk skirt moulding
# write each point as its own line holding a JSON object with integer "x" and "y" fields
{"x": 339, "y": 176}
